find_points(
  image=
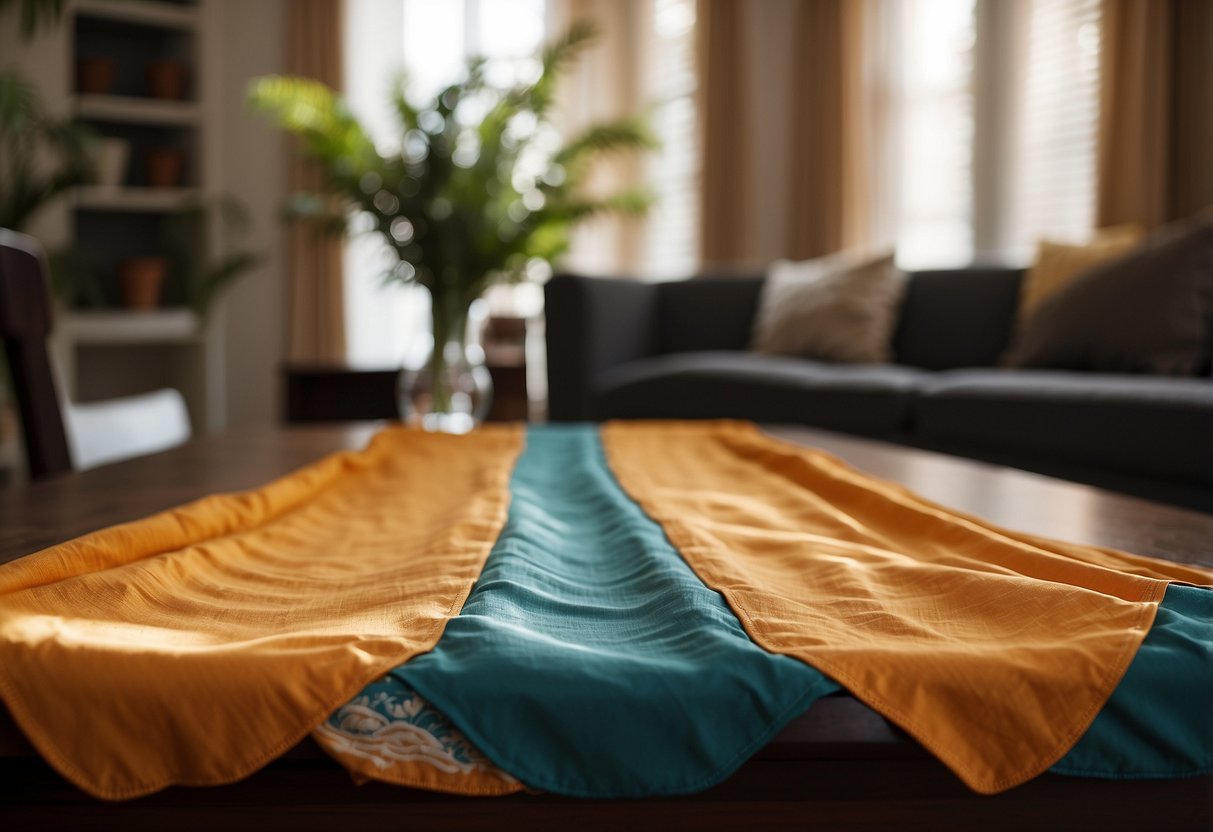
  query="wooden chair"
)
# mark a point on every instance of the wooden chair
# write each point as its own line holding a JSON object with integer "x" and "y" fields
{"x": 25, "y": 325}
{"x": 59, "y": 438}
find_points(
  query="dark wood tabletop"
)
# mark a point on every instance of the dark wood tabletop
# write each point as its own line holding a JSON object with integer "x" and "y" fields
{"x": 51, "y": 511}
{"x": 839, "y": 763}
{"x": 48, "y": 512}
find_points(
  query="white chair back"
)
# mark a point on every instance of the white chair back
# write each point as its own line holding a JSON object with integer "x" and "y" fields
{"x": 116, "y": 429}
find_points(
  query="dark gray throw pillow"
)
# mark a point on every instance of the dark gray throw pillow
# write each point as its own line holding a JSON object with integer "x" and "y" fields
{"x": 1150, "y": 311}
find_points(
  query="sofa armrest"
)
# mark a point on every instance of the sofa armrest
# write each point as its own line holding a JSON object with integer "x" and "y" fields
{"x": 593, "y": 323}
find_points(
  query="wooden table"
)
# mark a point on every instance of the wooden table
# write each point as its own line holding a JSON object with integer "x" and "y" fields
{"x": 839, "y": 766}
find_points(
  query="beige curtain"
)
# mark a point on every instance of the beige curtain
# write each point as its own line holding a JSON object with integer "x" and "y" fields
{"x": 786, "y": 114}
{"x": 316, "y": 318}
{"x": 828, "y": 164}
{"x": 726, "y": 236}
{"x": 1156, "y": 111}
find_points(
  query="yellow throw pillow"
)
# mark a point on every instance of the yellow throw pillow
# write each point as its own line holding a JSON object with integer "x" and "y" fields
{"x": 1057, "y": 264}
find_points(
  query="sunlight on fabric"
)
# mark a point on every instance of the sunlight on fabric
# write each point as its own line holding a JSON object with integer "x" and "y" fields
{"x": 34, "y": 629}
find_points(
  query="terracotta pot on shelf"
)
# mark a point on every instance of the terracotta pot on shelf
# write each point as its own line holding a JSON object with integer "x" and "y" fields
{"x": 140, "y": 279}
{"x": 94, "y": 76}
{"x": 164, "y": 166}
{"x": 167, "y": 80}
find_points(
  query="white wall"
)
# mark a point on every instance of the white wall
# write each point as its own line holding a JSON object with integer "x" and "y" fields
{"x": 252, "y": 169}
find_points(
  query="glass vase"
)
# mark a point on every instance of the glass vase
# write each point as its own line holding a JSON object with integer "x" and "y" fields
{"x": 445, "y": 386}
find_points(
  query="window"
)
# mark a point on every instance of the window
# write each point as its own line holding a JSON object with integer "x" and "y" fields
{"x": 671, "y": 242}
{"x": 937, "y": 152}
{"x": 1058, "y": 123}
{"x": 1034, "y": 106}
{"x": 431, "y": 41}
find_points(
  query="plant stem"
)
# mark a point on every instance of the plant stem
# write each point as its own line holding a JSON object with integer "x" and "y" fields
{"x": 449, "y": 325}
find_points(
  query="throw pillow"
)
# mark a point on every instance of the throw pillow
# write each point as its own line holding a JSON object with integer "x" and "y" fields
{"x": 837, "y": 308}
{"x": 1057, "y": 264}
{"x": 1149, "y": 311}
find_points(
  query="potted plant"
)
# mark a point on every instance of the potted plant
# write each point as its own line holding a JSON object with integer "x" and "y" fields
{"x": 163, "y": 166}
{"x": 140, "y": 281}
{"x": 167, "y": 79}
{"x": 176, "y": 265}
{"x": 479, "y": 186}
{"x": 95, "y": 76}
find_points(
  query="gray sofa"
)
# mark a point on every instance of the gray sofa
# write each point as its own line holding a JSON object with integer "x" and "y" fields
{"x": 627, "y": 349}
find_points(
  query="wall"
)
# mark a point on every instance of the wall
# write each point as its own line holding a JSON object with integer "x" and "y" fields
{"x": 253, "y": 170}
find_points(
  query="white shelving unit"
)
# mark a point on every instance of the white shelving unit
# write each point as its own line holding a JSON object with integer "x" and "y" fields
{"x": 108, "y": 352}
{"x": 132, "y": 110}
{"x": 167, "y": 326}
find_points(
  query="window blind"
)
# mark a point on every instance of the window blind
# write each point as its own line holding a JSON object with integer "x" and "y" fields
{"x": 670, "y": 247}
{"x": 1058, "y": 121}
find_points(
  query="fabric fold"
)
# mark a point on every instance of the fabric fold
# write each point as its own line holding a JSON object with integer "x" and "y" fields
{"x": 590, "y": 660}
{"x": 994, "y": 649}
{"x": 194, "y": 646}
{"x": 659, "y": 600}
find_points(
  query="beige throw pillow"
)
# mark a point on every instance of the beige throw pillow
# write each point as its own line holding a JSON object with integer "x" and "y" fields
{"x": 837, "y": 308}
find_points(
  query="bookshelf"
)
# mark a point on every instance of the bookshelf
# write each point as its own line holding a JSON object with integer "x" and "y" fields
{"x": 137, "y": 74}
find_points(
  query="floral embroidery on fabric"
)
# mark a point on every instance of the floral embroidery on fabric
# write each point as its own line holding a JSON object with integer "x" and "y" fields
{"x": 390, "y": 723}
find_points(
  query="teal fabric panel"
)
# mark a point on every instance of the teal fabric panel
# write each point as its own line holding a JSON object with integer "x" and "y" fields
{"x": 589, "y": 659}
{"x": 1159, "y": 721}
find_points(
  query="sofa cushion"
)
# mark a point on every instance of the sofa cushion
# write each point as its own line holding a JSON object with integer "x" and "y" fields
{"x": 707, "y": 313}
{"x": 954, "y": 319}
{"x": 860, "y": 398}
{"x": 1150, "y": 311}
{"x": 1137, "y": 424}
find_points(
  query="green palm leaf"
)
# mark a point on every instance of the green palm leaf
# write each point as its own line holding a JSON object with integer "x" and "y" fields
{"x": 462, "y": 203}
{"x": 317, "y": 115}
